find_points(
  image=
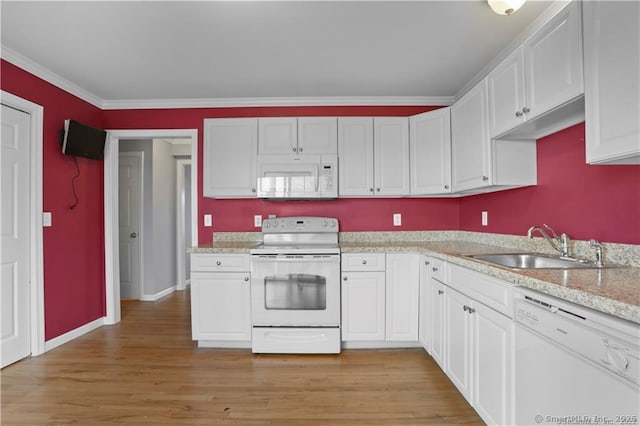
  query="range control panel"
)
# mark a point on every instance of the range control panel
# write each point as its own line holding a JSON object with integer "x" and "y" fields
{"x": 300, "y": 224}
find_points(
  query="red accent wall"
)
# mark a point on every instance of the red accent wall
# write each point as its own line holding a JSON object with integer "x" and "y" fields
{"x": 601, "y": 202}
{"x": 74, "y": 245}
{"x": 353, "y": 214}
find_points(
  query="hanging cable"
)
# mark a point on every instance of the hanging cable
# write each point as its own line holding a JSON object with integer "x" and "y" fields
{"x": 73, "y": 184}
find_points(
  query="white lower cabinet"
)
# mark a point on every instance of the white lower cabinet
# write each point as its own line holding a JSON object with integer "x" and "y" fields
{"x": 437, "y": 312}
{"x": 478, "y": 354}
{"x": 221, "y": 300}
{"x": 380, "y": 300}
{"x": 424, "y": 320}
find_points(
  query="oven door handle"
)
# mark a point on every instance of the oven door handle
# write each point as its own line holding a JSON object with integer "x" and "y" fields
{"x": 296, "y": 259}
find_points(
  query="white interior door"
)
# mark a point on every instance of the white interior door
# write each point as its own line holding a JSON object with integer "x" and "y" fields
{"x": 129, "y": 196}
{"x": 15, "y": 249}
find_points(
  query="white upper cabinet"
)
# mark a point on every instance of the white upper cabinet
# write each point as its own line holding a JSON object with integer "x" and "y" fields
{"x": 278, "y": 135}
{"x": 391, "y": 156}
{"x": 470, "y": 143}
{"x": 297, "y": 136}
{"x": 230, "y": 152}
{"x": 355, "y": 156}
{"x": 540, "y": 76}
{"x": 317, "y": 135}
{"x": 430, "y": 152}
{"x": 612, "y": 81}
{"x": 373, "y": 156}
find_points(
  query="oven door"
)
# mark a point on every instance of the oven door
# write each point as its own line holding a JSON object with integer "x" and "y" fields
{"x": 295, "y": 290}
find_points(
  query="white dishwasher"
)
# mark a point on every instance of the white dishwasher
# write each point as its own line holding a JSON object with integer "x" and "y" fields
{"x": 573, "y": 365}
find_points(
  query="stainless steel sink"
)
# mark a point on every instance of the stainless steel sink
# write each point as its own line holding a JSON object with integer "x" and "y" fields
{"x": 534, "y": 261}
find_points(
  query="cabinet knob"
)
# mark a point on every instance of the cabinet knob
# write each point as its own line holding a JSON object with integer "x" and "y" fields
{"x": 440, "y": 292}
{"x": 426, "y": 262}
{"x": 344, "y": 278}
{"x": 470, "y": 309}
{"x": 378, "y": 189}
{"x": 246, "y": 278}
{"x": 218, "y": 263}
{"x": 485, "y": 178}
{"x": 465, "y": 307}
{"x": 294, "y": 149}
{"x": 299, "y": 149}
{"x": 253, "y": 190}
{"x": 370, "y": 189}
{"x": 518, "y": 114}
{"x": 446, "y": 187}
{"x": 364, "y": 262}
{"x": 434, "y": 269}
{"x": 526, "y": 110}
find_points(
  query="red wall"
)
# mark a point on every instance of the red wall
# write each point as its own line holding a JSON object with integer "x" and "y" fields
{"x": 601, "y": 202}
{"x": 353, "y": 214}
{"x": 74, "y": 245}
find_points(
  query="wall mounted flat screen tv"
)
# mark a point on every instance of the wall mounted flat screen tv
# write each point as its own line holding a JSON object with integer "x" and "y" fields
{"x": 81, "y": 140}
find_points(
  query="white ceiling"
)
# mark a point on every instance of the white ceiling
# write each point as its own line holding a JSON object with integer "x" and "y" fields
{"x": 158, "y": 50}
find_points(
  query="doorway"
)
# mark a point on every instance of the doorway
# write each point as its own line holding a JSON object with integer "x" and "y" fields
{"x": 117, "y": 138}
{"x": 20, "y": 116}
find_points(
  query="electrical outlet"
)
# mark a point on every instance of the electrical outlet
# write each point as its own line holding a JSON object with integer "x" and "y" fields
{"x": 46, "y": 219}
{"x": 485, "y": 218}
{"x": 397, "y": 219}
{"x": 257, "y": 220}
{"x": 208, "y": 220}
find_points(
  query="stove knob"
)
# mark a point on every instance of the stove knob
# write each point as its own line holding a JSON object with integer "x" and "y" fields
{"x": 325, "y": 224}
{"x": 266, "y": 225}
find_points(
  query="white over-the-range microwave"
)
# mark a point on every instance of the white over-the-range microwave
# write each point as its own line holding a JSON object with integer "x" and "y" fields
{"x": 297, "y": 177}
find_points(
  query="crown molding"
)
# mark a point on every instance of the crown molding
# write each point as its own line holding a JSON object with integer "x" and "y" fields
{"x": 271, "y": 102}
{"x": 47, "y": 75}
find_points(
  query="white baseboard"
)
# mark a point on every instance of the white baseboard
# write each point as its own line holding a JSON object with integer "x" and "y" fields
{"x": 378, "y": 345}
{"x": 157, "y": 296}
{"x": 73, "y": 334}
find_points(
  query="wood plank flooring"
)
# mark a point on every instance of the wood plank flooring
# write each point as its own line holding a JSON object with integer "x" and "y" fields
{"x": 146, "y": 370}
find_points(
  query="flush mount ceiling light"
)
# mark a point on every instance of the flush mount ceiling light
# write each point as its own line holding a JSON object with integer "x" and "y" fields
{"x": 505, "y": 7}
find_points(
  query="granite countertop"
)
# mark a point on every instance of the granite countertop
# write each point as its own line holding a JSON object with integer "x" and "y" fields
{"x": 615, "y": 291}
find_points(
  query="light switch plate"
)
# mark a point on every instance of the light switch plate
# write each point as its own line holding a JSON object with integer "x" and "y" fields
{"x": 208, "y": 220}
{"x": 397, "y": 219}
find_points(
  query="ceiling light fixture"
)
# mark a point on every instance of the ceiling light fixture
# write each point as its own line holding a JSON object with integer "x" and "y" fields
{"x": 505, "y": 7}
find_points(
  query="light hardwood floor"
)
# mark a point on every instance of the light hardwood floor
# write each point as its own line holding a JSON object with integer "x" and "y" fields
{"x": 146, "y": 370}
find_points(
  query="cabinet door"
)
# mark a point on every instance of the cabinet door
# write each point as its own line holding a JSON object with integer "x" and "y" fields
{"x": 430, "y": 152}
{"x": 391, "y": 156}
{"x": 492, "y": 361}
{"x": 317, "y": 135}
{"x": 470, "y": 143}
{"x": 278, "y": 135}
{"x": 229, "y": 162}
{"x": 363, "y": 306}
{"x": 220, "y": 306}
{"x": 437, "y": 316}
{"x": 553, "y": 61}
{"x": 424, "y": 315}
{"x": 403, "y": 275}
{"x": 458, "y": 341}
{"x": 355, "y": 156}
{"x": 612, "y": 81}
{"x": 507, "y": 94}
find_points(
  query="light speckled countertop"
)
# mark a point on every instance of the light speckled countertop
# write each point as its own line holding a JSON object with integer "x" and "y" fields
{"x": 614, "y": 291}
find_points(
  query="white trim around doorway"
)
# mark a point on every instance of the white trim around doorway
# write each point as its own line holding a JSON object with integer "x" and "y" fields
{"x": 35, "y": 218}
{"x": 180, "y": 222}
{"x": 112, "y": 267}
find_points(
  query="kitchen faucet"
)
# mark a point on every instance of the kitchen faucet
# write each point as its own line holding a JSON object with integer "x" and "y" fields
{"x": 559, "y": 243}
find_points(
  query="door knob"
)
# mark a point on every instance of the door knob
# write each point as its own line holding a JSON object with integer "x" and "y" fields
{"x": 133, "y": 235}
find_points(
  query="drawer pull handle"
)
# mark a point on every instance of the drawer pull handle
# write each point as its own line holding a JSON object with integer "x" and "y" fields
{"x": 440, "y": 292}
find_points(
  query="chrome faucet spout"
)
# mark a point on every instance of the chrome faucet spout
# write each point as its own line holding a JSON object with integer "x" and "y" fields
{"x": 559, "y": 243}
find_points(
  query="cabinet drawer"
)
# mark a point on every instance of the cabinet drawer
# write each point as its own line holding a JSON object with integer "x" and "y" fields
{"x": 220, "y": 262}
{"x": 363, "y": 262}
{"x": 493, "y": 292}
{"x": 437, "y": 269}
